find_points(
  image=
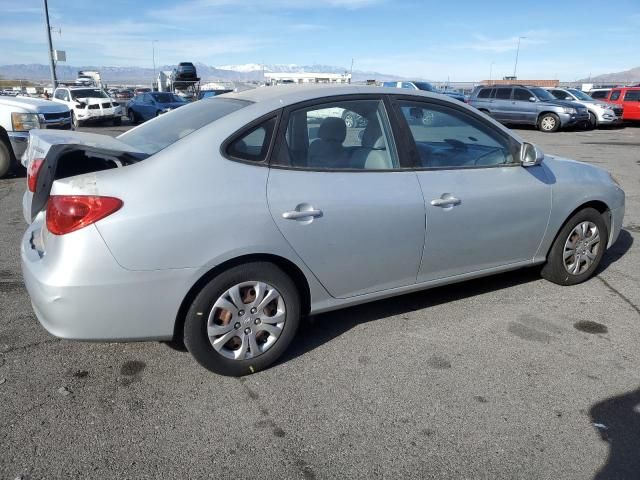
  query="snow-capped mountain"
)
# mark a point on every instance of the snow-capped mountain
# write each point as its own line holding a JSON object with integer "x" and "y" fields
{"x": 283, "y": 68}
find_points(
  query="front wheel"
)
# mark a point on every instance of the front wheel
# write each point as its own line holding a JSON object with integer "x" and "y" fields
{"x": 578, "y": 249}
{"x": 549, "y": 122}
{"x": 76, "y": 123}
{"x": 132, "y": 117}
{"x": 243, "y": 320}
{"x": 593, "y": 121}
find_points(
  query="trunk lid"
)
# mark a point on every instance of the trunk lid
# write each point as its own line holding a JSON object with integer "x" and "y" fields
{"x": 68, "y": 154}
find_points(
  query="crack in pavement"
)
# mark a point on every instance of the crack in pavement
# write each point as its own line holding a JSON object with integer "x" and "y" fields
{"x": 622, "y": 296}
{"x": 29, "y": 345}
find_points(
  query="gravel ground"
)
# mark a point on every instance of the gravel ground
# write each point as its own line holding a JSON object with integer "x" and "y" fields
{"x": 490, "y": 379}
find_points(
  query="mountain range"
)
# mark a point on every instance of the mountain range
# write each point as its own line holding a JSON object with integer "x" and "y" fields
{"x": 242, "y": 73}
{"x": 628, "y": 76}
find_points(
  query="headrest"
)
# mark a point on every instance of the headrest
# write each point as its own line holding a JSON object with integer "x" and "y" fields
{"x": 371, "y": 135}
{"x": 333, "y": 129}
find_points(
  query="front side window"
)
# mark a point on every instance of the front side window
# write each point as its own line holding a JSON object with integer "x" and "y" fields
{"x": 503, "y": 93}
{"x": 615, "y": 95}
{"x": 408, "y": 85}
{"x": 341, "y": 135}
{"x": 600, "y": 94}
{"x": 448, "y": 138}
{"x": 484, "y": 93}
{"x": 59, "y": 94}
{"x": 254, "y": 144}
{"x": 521, "y": 94}
{"x": 632, "y": 96}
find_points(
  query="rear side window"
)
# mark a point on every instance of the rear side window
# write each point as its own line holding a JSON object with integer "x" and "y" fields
{"x": 615, "y": 95}
{"x": 253, "y": 145}
{"x": 484, "y": 93}
{"x": 167, "y": 129}
{"x": 503, "y": 93}
{"x": 632, "y": 96}
{"x": 599, "y": 94}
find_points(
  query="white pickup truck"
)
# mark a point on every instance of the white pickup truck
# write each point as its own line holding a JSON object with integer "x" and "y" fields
{"x": 18, "y": 115}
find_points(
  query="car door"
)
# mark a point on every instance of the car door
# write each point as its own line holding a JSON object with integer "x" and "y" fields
{"x": 146, "y": 107}
{"x": 483, "y": 209}
{"x": 502, "y": 109}
{"x": 341, "y": 200}
{"x": 631, "y": 103}
{"x": 524, "y": 109}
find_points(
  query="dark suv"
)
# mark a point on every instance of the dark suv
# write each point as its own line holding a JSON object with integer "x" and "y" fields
{"x": 519, "y": 104}
{"x": 186, "y": 71}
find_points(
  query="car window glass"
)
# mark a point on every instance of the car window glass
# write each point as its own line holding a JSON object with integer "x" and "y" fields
{"x": 484, "y": 93}
{"x": 559, "y": 94}
{"x": 521, "y": 94}
{"x": 615, "y": 95}
{"x": 447, "y": 138}
{"x": 339, "y": 135}
{"x": 503, "y": 93}
{"x": 58, "y": 94}
{"x": 632, "y": 96}
{"x": 254, "y": 144}
{"x": 65, "y": 96}
{"x": 599, "y": 94}
{"x": 407, "y": 85}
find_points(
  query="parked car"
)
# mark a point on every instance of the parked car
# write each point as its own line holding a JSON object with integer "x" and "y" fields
{"x": 599, "y": 93}
{"x": 628, "y": 98}
{"x": 141, "y": 90}
{"x": 149, "y": 105}
{"x": 124, "y": 94}
{"x": 525, "y": 105}
{"x": 88, "y": 105}
{"x": 223, "y": 224}
{"x": 600, "y": 113}
{"x": 19, "y": 115}
{"x": 425, "y": 87}
{"x": 185, "y": 71}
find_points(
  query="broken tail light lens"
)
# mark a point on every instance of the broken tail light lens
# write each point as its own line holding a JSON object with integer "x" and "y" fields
{"x": 68, "y": 213}
{"x": 32, "y": 173}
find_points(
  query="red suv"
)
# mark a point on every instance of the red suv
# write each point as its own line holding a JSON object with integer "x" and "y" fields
{"x": 629, "y": 98}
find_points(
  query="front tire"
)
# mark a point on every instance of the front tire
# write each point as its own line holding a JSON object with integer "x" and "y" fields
{"x": 243, "y": 319}
{"x": 5, "y": 159}
{"x": 593, "y": 121}
{"x": 549, "y": 122}
{"x": 350, "y": 120}
{"x": 76, "y": 123}
{"x": 132, "y": 117}
{"x": 578, "y": 249}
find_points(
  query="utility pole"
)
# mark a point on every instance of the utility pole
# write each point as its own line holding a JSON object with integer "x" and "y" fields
{"x": 491, "y": 72}
{"x": 515, "y": 66}
{"x": 51, "y": 62}
{"x": 153, "y": 54}
{"x": 351, "y": 72}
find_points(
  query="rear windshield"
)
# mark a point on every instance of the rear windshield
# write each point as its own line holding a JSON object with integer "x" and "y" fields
{"x": 158, "y": 134}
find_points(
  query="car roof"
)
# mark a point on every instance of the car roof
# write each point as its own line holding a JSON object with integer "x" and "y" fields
{"x": 290, "y": 94}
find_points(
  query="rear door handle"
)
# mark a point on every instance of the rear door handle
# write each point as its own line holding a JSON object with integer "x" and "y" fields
{"x": 298, "y": 214}
{"x": 445, "y": 202}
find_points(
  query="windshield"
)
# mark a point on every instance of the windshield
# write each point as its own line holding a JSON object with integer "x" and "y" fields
{"x": 167, "y": 98}
{"x": 542, "y": 94}
{"x": 154, "y": 136}
{"x": 424, "y": 86}
{"x": 88, "y": 93}
{"x": 579, "y": 95}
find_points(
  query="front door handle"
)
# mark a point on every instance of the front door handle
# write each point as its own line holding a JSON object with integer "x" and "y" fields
{"x": 299, "y": 214}
{"x": 445, "y": 202}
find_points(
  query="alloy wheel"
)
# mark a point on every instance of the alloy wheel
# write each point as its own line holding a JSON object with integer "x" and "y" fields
{"x": 246, "y": 320}
{"x": 548, "y": 123}
{"x": 581, "y": 248}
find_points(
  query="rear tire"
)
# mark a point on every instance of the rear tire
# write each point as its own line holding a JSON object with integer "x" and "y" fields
{"x": 242, "y": 322}
{"x": 132, "y": 117}
{"x": 5, "y": 159}
{"x": 548, "y": 123}
{"x": 558, "y": 268}
{"x": 117, "y": 121}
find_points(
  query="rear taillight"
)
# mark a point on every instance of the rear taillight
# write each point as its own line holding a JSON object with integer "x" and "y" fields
{"x": 67, "y": 213}
{"x": 32, "y": 173}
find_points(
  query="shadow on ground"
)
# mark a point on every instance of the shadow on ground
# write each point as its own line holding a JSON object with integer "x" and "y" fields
{"x": 617, "y": 420}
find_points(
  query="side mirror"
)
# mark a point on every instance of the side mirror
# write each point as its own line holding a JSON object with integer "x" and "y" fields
{"x": 530, "y": 155}
{"x": 532, "y": 99}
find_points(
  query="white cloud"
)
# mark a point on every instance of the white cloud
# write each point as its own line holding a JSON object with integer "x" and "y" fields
{"x": 483, "y": 43}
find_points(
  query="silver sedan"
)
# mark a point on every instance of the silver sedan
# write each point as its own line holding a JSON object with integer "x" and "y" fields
{"x": 224, "y": 223}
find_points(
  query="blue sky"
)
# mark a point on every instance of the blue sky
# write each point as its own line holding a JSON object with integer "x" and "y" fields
{"x": 460, "y": 40}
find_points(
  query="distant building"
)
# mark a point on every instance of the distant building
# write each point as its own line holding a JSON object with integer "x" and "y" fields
{"x": 534, "y": 83}
{"x": 275, "y": 78}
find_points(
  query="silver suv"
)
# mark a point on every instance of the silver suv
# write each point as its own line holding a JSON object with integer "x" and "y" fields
{"x": 600, "y": 113}
{"x": 519, "y": 104}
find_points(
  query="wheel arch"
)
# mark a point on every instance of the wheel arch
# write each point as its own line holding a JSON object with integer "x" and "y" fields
{"x": 4, "y": 138}
{"x": 545, "y": 112}
{"x": 290, "y": 268}
{"x": 598, "y": 205}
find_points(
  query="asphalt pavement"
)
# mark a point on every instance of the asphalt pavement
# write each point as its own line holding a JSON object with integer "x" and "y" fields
{"x": 499, "y": 378}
